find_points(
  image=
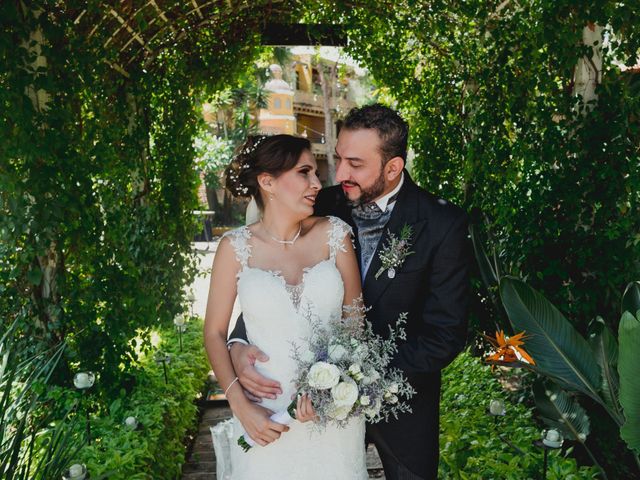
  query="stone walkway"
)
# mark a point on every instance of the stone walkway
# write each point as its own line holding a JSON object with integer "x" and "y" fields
{"x": 201, "y": 463}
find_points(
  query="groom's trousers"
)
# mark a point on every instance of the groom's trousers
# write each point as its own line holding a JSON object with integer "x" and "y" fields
{"x": 408, "y": 446}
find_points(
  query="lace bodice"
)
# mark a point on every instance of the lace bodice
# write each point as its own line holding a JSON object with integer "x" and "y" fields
{"x": 336, "y": 233}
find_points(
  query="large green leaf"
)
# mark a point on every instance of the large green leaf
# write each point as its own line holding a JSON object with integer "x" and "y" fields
{"x": 561, "y": 411}
{"x": 559, "y": 350}
{"x": 629, "y": 371}
{"x": 605, "y": 349}
{"x": 489, "y": 273}
{"x": 631, "y": 298}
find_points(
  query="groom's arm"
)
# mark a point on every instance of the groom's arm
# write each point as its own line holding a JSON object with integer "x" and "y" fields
{"x": 444, "y": 315}
{"x": 239, "y": 333}
{"x": 244, "y": 357}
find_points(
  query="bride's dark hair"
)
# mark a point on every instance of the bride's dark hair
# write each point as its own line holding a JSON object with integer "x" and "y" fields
{"x": 262, "y": 154}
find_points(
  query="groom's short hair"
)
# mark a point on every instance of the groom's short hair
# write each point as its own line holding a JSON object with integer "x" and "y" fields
{"x": 391, "y": 128}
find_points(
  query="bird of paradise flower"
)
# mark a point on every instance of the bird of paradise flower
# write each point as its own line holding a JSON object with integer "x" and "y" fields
{"x": 508, "y": 350}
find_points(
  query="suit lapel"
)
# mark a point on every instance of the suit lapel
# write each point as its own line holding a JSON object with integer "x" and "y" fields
{"x": 404, "y": 212}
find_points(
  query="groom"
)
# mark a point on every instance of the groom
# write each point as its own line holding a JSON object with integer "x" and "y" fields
{"x": 377, "y": 197}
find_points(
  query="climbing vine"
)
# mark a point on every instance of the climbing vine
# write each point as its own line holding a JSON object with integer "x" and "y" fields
{"x": 498, "y": 126}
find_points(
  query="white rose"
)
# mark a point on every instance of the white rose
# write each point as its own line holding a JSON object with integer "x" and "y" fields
{"x": 339, "y": 412}
{"x": 364, "y": 400}
{"x": 337, "y": 352}
{"x": 307, "y": 356}
{"x": 393, "y": 388}
{"x": 345, "y": 393}
{"x": 323, "y": 375}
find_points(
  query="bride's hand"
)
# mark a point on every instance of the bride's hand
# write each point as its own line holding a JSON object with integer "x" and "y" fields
{"x": 304, "y": 409}
{"x": 257, "y": 424}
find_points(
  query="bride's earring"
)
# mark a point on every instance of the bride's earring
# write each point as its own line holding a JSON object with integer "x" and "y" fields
{"x": 271, "y": 197}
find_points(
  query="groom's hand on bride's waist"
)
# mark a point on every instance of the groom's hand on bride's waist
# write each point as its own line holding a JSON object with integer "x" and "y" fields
{"x": 257, "y": 386}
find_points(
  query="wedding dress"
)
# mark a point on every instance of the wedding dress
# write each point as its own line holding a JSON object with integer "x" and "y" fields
{"x": 276, "y": 317}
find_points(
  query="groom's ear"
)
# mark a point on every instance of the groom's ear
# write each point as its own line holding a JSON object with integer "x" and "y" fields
{"x": 393, "y": 168}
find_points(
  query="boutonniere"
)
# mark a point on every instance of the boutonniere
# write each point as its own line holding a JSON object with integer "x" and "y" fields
{"x": 395, "y": 251}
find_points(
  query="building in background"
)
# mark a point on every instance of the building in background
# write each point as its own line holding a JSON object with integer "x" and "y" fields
{"x": 290, "y": 101}
{"x": 299, "y": 107}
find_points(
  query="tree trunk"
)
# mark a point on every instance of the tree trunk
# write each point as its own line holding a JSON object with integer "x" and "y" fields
{"x": 45, "y": 294}
{"x": 327, "y": 83}
{"x": 588, "y": 72}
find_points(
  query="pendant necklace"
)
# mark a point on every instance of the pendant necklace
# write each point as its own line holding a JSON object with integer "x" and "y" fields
{"x": 283, "y": 242}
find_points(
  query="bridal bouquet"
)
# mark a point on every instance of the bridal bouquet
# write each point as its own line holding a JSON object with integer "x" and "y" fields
{"x": 345, "y": 370}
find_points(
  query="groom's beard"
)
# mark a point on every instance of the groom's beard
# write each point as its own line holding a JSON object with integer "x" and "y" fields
{"x": 368, "y": 195}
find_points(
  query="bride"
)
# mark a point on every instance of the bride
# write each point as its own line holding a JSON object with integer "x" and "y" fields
{"x": 282, "y": 267}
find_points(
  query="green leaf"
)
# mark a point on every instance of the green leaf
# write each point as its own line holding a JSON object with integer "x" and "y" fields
{"x": 629, "y": 341}
{"x": 35, "y": 276}
{"x": 561, "y": 411}
{"x": 605, "y": 349}
{"x": 559, "y": 350}
{"x": 487, "y": 272}
{"x": 631, "y": 298}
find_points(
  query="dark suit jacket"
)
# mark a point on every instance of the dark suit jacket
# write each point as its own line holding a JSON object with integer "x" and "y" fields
{"x": 432, "y": 286}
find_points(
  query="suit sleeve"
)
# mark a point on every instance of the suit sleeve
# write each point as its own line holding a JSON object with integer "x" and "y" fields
{"x": 239, "y": 333}
{"x": 443, "y": 329}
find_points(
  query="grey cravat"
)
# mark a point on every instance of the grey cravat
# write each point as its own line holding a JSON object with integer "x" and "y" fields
{"x": 370, "y": 221}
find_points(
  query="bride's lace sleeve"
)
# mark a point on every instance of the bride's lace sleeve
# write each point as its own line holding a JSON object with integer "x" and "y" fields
{"x": 239, "y": 239}
{"x": 337, "y": 231}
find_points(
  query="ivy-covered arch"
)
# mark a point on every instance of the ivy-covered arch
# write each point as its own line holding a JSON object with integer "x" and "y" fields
{"x": 97, "y": 175}
{"x": 96, "y": 160}
{"x": 97, "y": 155}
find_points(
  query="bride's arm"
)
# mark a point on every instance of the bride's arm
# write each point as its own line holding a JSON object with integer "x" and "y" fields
{"x": 348, "y": 266}
{"x": 222, "y": 294}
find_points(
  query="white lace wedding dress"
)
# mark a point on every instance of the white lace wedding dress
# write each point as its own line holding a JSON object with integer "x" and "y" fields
{"x": 274, "y": 320}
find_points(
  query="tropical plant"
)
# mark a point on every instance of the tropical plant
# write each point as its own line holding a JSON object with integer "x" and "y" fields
{"x": 598, "y": 369}
{"x": 34, "y": 444}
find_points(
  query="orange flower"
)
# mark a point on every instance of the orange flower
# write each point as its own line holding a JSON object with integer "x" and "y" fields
{"x": 508, "y": 349}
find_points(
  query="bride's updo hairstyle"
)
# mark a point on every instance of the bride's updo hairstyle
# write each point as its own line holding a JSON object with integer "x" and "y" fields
{"x": 263, "y": 154}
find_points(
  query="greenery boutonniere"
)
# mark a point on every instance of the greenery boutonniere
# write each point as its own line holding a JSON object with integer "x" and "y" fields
{"x": 395, "y": 251}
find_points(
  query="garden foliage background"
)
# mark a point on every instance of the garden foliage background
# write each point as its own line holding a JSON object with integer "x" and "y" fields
{"x": 97, "y": 177}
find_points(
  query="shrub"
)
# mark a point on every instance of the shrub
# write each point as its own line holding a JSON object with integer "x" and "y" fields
{"x": 473, "y": 444}
{"x": 165, "y": 412}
